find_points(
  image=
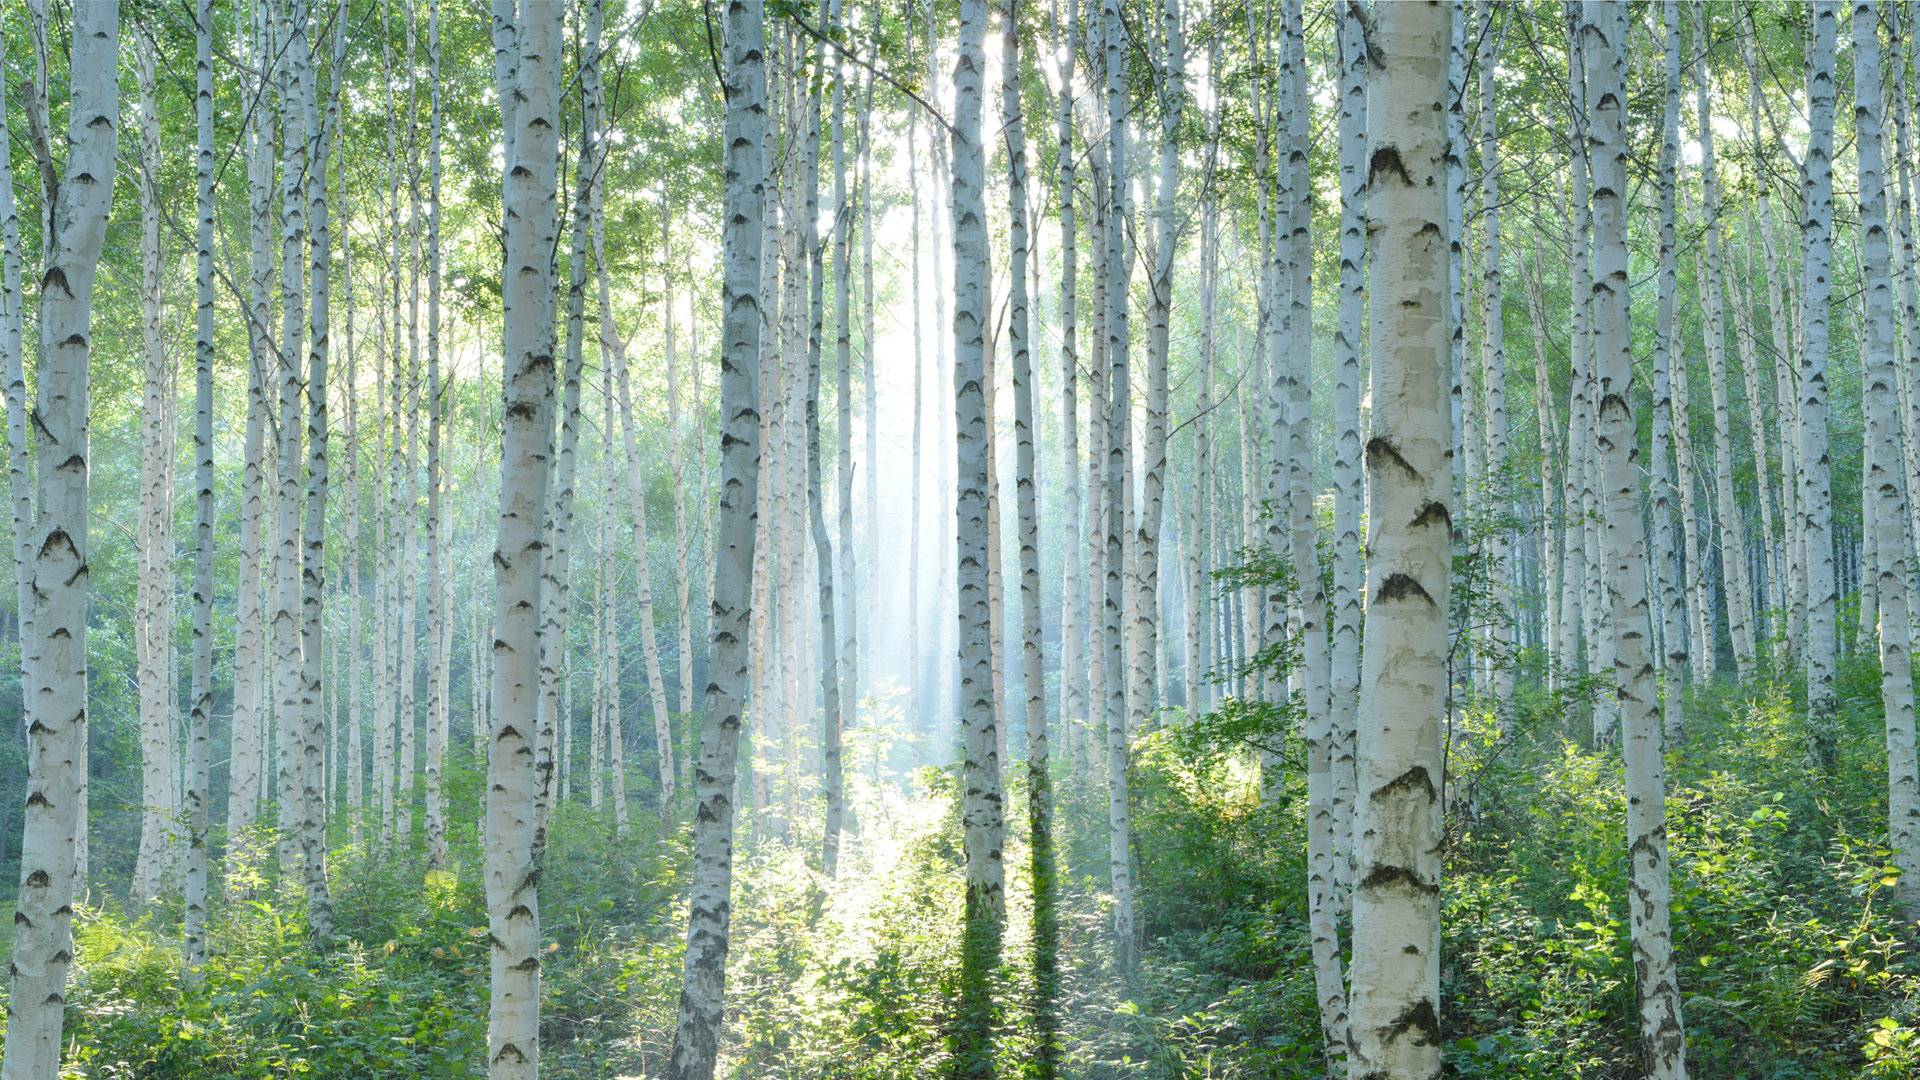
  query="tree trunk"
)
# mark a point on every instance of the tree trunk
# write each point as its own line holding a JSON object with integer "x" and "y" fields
{"x": 606, "y": 695}
{"x": 1119, "y": 493}
{"x": 1733, "y": 560}
{"x": 289, "y": 673}
{"x": 1099, "y": 435}
{"x": 153, "y": 637}
{"x": 615, "y": 348}
{"x": 1394, "y": 1031}
{"x": 313, "y": 571}
{"x": 1886, "y": 465}
{"x": 1046, "y": 923}
{"x": 57, "y": 700}
{"x": 437, "y": 613}
{"x": 1493, "y": 379}
{"x": 1699, "y": 605}
{"x": 1671, "y": 612}
{"x": 980, "y": 713}
{"x": 527, "y": 68}
{"x": 13, "y": 370}
{"x": 1574, "y": 609}
{"x": 825, "y": 576}
{"x": 356, "y": 749}
{"x": 1663, "y": 1037}
{"x": 199, "y": 733}
{"x": 847, "y": 653}
{"x": 1907, "y": 269}
{"x": 914, "y": 720}
{"x": 682, "y": 578}
{"x": 556, "y": 586}
{"x": 697, "y": 1034}
{"x": 1816, "y": 496}
{"x": 1349, "y": 493}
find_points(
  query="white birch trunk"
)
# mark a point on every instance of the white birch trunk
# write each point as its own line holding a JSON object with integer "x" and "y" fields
{"x": 438, "y": 614}
{"x": 289, "y": 663}
{"x": 13, "y": 370}
{"x": 845, "y": 564}
{"x": 1886, "y": 464}
{"x": 1119, "y": 493}
{"x": 313, "y": 572}
{"x": 1663, "y": 1037}
{"x": 612, "y": 346}
{"x": 1349, "y": 494}
{"x": 199, "y": 732}
{"x": 1395, "y": 1021}
{"x": 1702, "y": 646}
{"x": 1073, "y": 686}
{"x": 153, "y": 637}
{"x": 980, "y": 714}
{"x": 1672, "y": 614}
{"x": 1493, "y": 377}
{"x": 702, "y": 995}
{"x": 57, "y": 699}
{"x": 1816, "y": 495}
{"x": 244, "y": 776}
{"x": 528, "y": 61}
{"x": 1733, "y": 561}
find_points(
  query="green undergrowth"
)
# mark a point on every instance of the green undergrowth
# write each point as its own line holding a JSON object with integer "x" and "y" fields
{"x": 1792, "y": 962}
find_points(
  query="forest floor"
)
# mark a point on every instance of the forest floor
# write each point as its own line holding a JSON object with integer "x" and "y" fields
{"x": 1792, "y": 964}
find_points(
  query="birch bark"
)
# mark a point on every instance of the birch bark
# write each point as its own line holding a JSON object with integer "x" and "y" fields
{"x": 57, "y": 699}
{"x": 1733, "y": 560}
{"x": 980, "y": 714}
{"x": 1119, "y": 494}
{"x": 1662, "y": 1033}
{"x": 1349, "y": 493}
{"x": 1032, "y": 649}
{"x": 153, "y": 637}
{"x": 1394, "y": 1031}
{"x": 1672, "y": 613}
{"x": 1816, "y": 290}
{"x": 527, "y": 52}
{"x": 702, "y": 995}
{"x": 1886, "y": 462}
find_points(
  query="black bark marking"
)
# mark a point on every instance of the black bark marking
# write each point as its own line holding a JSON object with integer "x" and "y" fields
{"x": 1407, "y": 781}
{"x": 1381, "y": 877}
{"x": 1431, "y": 513}
{"x": 1401, "y": 587}
{"x": 1379, "y": 448}
{"x": 1387, "y": 159}
{"x": 1418, "y": 1017}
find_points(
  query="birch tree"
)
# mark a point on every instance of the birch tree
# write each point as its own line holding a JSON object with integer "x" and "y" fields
{"x": 199, "y": 733}
{"x": 1118, "y": 498}
{"x": 1886, "y": 461}
{"x": 56, "y": 712}
{"x": 153, "y": 637}
{"x": 979, "y": 717}
{"x": 1733, "y": 559}
{"x": 1493, "y": 370}
{"x": 289, "y": 673}
{"x": 1816, "y": 495}
{"x": 1662, "y": 1034}
{"x": 1073, "y": 686}
{"x": 1348, "y": 492}
{"x": 703, "y": 987}
{"x": 1033, "y": 674}
{"x": 244, "y": 774}
{"x": 527, "y": 61}
{"x": 1394, "y": 1030}
{"x": 1672, "y": 615}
